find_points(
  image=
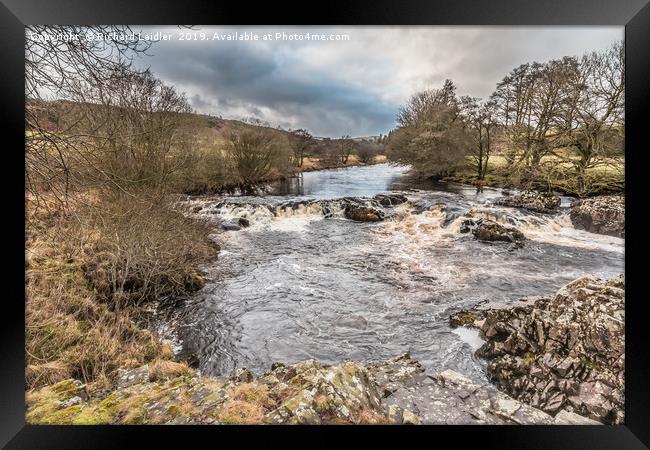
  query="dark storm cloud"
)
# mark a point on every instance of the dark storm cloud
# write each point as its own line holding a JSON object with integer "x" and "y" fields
{"x": 247, "y": 79}
{"x": 354, "y": 87}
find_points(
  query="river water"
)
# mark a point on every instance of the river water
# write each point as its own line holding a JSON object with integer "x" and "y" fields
{"x": 297, "y": 285}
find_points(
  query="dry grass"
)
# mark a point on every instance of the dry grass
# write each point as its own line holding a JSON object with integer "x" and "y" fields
{"x": 239, "y": 412}
{"x": 554, "y": 173}
{"x": 252, "y": 392}
{"x": 247, "y": 404}
{"x": 69, "y": 333}
{"x": 166, "y": 370}
{"x": 84, "y": 280}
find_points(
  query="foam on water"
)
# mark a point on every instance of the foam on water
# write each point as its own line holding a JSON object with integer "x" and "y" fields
{"x": 302, "y": 281}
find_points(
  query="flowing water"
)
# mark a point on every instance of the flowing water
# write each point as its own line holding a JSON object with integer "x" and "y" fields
{"x": 304, "y": 282}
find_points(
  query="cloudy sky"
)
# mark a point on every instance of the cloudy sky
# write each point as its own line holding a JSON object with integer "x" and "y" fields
{"x": 353, "y": 85}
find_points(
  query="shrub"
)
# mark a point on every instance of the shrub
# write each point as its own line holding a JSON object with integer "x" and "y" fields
{"x": 144, "y": 249}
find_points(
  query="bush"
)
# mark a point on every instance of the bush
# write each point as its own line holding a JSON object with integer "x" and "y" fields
{"x": 367, "y": 151}
{"x": 145, "y": 250}
{"x": 257, "y": 154}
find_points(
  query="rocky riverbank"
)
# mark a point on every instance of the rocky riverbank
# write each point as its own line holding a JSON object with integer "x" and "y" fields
{"x": 543, "y": 202}
{"x": 603, "y": 215}
{"x": 553, "y": 360}
{"x": 396, "y": 391}
{"x": 562, "y": 353}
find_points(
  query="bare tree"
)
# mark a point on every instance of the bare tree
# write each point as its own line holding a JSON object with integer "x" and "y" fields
{"x": 301, "y": 139}
{"x": 253, "y": 152}
{"x": 591, "y": 119}
{"x": 345, "y": 148}
{"x": 481, "y": 122}
{"x": 129, "y": 131}
{"x": 57, "y": 58}
{"x": 367, "y": 151}
{"x": 529, "y": 99}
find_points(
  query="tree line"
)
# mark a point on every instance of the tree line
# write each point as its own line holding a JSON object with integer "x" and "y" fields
{"x": 558, "y": 118}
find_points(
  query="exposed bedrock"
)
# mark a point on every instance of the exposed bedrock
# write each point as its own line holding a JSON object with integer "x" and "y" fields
{"x": 395, "y": 391}
{"x": 563, "y": 353}
{"x": 604, "y": 215}
{"x": 359, "y": 209}
{"x": 544, "y": 202}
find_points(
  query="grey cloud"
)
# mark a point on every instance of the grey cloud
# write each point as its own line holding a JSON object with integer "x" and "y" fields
{"x": 355, "y": 87}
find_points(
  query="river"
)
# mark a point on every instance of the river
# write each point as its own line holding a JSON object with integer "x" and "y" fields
{"x": 297, "y": 285}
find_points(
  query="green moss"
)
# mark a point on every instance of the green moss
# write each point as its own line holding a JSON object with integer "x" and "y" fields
{"x": 48, "y": 414}
{"x": 174, "y": 410}
{"x": 92, "y": 416}
{"x": 66, "y": 389}
{"x": 110, "y": 402}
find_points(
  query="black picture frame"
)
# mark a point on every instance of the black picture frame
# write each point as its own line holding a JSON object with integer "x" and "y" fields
{"x": 633, "y": 14}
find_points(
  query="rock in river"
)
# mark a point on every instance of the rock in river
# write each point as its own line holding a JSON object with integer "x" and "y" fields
{"x": 604, "y": 215}
{"x": 490, "y": 231}
{"x": 235, "y": 224}
{"x": 390, "y": 199}
{"x": 544, "y": 202}
{"x": 363, "y": 213}
{"x": 230, "y": 226}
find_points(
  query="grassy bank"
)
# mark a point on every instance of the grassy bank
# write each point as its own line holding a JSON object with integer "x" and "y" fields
{"x": 314, "y": 163}
{"x": 88, "y": 273}
{"x": 555, "y": 175}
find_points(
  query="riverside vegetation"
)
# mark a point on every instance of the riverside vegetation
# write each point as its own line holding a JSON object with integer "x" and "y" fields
{"x": 108, "y": 236}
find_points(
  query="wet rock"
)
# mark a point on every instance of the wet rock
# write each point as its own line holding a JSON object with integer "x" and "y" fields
{"x": 603, "y": 215}
{"x": 390, "y": 199}
{"x": 463, "y": 318}
{"x": 363, "y": 213}
{"x": 243, "y": 222}
{"x": 564, "y": 353}
{"x": 490, "y": 231}
{"x": 544, "y": 202}
{"x": 467, "y": 225}
{"x": 230, "y": 225}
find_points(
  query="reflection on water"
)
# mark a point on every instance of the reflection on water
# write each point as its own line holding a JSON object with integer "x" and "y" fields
{"x": 295, "y": 285}
{"x": 364, "y": 181}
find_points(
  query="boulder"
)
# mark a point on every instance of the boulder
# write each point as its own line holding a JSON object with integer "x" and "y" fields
{"x": 230, "y": 225}
{"x": 603, "y": 215}
{"x": 363, "y": 213}
{"x": 490, "y": 231}
{"x": 129, "y": 377}
{"x": 390, "y": 199}
{"x": 543, "y": 202}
